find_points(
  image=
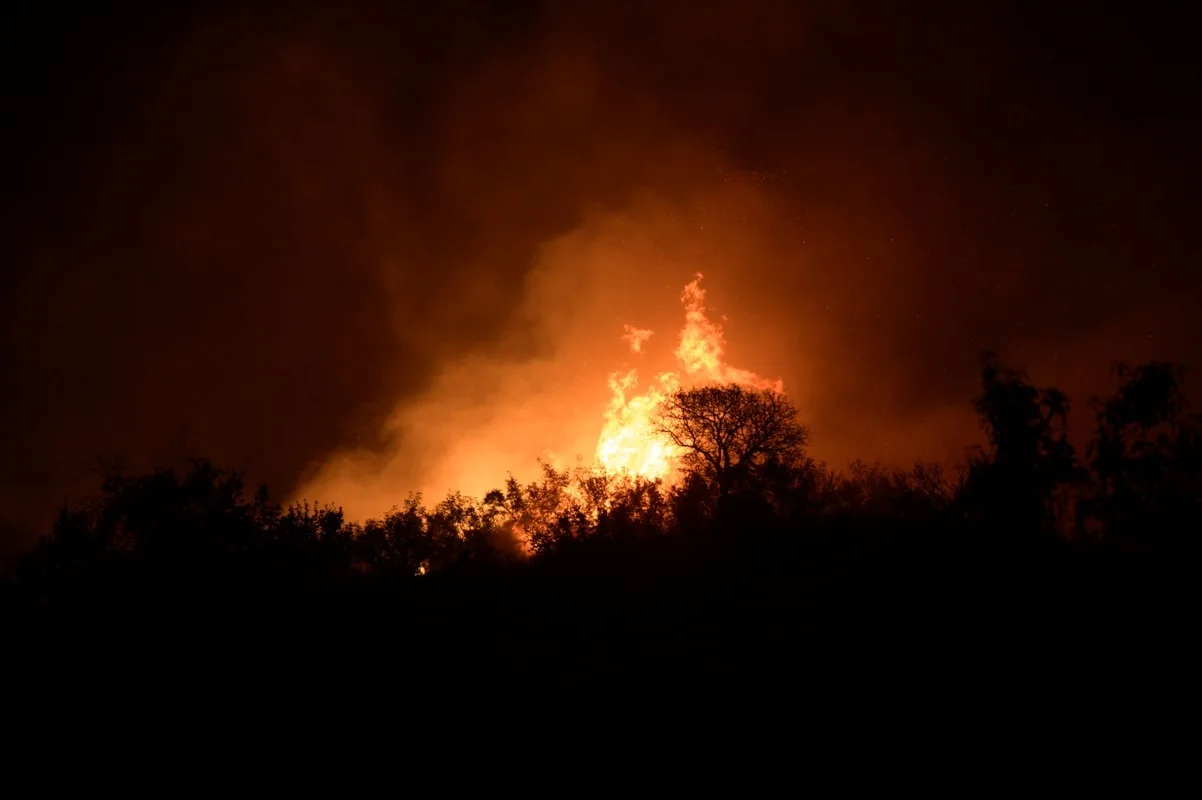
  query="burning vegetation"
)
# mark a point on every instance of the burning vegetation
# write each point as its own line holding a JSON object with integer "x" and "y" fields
{"x": 634, "y": 439}
{"x": 707, "y": 447}
{"x": 715, "y": 461}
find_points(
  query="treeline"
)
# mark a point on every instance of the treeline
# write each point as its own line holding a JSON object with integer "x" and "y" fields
{"x": 199, "y": 537}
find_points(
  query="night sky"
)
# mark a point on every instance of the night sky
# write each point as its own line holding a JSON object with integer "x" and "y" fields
{"x": 403, "y": 234}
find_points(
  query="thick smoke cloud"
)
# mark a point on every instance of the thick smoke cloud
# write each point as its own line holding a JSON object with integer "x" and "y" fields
{"x": 378, "y": 249}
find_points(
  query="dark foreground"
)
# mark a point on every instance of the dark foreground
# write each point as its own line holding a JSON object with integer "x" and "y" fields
{"x": 842, "y": 614}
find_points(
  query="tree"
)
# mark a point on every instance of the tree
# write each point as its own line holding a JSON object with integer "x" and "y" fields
{"x": 1029, "y": 455}
{"x": 1145, "y": 457}
{"x": 728, "y": 431}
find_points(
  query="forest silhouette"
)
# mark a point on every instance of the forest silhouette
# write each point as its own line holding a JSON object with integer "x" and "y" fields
{"x": 758, "y": 558}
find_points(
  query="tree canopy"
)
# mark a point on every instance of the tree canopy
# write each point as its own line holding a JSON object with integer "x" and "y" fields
{"x": 726, "y": 431}
{"x": 197, "y": 537}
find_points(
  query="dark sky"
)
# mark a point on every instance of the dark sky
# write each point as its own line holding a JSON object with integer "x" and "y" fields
{"x": 262, "y": 231}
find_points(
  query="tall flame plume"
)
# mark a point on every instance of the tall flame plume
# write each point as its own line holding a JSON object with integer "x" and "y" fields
{"x": 629, "y": 442}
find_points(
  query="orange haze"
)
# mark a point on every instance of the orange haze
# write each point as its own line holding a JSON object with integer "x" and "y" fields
{"x": 488, "y": 417}
{"x": 358, "y": 249}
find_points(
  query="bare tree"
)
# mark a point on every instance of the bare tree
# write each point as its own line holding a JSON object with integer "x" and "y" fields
{"x": 725, "y": 431}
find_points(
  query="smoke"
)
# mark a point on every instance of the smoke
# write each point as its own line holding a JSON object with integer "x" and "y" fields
{"x": 359, "y": 251}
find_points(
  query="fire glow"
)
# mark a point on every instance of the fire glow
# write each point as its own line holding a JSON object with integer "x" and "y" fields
{"x": 629, "y": 442}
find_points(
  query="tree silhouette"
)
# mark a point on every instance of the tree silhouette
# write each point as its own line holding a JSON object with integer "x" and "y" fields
{"x": 1145, "y": 457}
{"x": 193, "y": 540}
{"x": 727, "y": 431}
{"x": 1029, "y": 454}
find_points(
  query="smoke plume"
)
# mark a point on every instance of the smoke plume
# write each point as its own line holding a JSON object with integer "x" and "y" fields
{"x": 361, "y": 250}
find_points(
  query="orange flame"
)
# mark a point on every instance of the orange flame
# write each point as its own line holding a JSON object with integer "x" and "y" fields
{"x": 629, "y": 442}
{"x": 635, "y": 337}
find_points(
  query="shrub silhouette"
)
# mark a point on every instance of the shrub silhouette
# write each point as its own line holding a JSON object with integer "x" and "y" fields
{"x": 753, "y": 530}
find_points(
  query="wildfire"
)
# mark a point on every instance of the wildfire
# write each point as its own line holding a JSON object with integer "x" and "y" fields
{"x": 628, "y": 441}
{"x": 635, "y": 337}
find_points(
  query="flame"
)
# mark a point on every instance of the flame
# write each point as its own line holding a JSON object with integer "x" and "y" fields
{"x": 702, "y": 346}
{"x": 635, "y": 337}
{"x": 628, "y": 441}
